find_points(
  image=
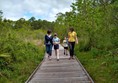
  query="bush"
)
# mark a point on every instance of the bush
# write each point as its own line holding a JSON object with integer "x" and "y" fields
{"x": 98, "y": 52}
{"x": 16, "y": 55}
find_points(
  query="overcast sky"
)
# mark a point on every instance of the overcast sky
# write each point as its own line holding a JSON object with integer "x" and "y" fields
{"x": 40, "y": 9}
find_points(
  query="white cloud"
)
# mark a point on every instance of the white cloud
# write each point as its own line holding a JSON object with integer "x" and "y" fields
{"x": 40, "y": 9}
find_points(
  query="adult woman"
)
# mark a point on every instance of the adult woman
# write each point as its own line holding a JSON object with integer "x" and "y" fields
{"x": 49, "y": 43}
{"x": 72, "y": 38}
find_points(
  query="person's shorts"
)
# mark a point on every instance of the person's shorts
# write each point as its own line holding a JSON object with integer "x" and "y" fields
{"x": 56, "y": 46}
{"x": 65, "y": 47}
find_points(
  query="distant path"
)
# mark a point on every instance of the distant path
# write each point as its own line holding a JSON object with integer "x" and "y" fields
{"x": 62, "y": 71}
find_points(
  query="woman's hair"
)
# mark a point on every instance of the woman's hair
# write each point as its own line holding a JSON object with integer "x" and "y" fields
{"x": 49, "y": 32}
{"x": 71, "y": 29}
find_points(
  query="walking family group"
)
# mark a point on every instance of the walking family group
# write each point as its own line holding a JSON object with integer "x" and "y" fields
{"x": 54, "y": 41}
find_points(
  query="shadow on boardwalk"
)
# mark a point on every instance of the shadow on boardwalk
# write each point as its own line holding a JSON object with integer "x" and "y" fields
{"x": 62, "y": 71}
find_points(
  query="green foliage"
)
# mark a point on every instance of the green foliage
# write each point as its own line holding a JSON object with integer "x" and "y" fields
{"x": 102, "y": 69}
{"x": 1, "y": 15}
{"x": 95, "y": 22}
{"x": 17, "y": 51}
{"x": 40, "y": 24}
{"x": 115, "y": 69}
{"x": 96, "y": 25}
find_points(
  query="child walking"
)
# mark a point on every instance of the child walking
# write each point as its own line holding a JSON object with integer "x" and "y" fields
{"x": 65, "y": 45}
{"x": 56, "y": 42}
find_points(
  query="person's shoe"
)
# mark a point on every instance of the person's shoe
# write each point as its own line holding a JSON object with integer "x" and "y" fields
{"x": 64, "y": 53}
{"x": 72, "y": 57}
{"x": 49, "y": 57}
{"x": 57, "y": 59}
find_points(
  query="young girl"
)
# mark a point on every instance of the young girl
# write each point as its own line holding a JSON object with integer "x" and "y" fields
{"x": 65, "y": 45}
{"x": 56, "y": 42}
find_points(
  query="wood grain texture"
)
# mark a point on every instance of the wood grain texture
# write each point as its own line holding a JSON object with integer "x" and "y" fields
{"x": 62, "y": 71}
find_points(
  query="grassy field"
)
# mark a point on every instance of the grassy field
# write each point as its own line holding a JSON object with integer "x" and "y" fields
{"x": 102, "y": 68}
{"x": 20, "y": 53}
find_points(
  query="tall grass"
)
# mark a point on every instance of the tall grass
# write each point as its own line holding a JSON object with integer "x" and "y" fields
{"x": 101, "y": 65}
{"x": 19, "y": 54}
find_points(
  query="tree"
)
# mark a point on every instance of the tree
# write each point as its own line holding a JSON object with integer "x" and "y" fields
{"x": 1, "y": 15}
{"x": 95, "y": 21}
{"x": 32, "y": 19}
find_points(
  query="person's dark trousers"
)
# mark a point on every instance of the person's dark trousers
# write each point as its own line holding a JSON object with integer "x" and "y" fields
{"x": 71, "y": 48}
{"x": 49, "y": 49}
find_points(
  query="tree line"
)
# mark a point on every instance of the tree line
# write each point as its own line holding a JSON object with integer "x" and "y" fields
{"x": 31, "y": 23}
{"x": 96, "y": 22}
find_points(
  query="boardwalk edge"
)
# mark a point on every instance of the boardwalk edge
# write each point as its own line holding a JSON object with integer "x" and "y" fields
{"x": 30, "y": 77}
{"x": 84, "y": 70}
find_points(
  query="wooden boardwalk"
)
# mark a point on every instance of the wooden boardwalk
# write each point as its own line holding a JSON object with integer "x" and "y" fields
{"x": 62, "y": 71}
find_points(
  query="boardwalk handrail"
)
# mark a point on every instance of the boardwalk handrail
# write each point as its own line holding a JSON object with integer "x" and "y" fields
{"x": 84, "y": 70}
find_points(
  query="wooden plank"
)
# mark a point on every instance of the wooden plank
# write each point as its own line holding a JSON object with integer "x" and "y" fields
{"x": 61, "y": 80}
{"x": 59, "y": 75}
{"x": 62, "y": 71}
